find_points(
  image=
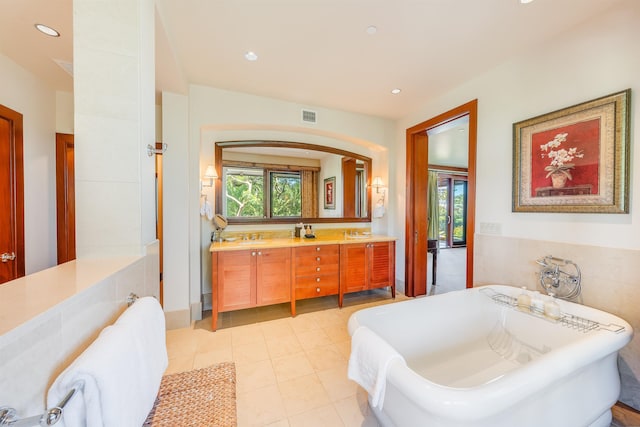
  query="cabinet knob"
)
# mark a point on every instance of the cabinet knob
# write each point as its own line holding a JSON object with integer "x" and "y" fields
{"x": 317, "y": 268}
{"x": 253, "y": 253}
{"x": 318, "y": 290}
{"x": 259, "y": 252}
{"x": 318, "y": 248}
{"x": 317, "y": 279}
{"x": 318, "y": 259}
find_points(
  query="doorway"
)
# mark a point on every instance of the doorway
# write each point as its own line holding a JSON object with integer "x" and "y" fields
{"x": 416, "y": 224}
{"x": 12, "y": 262}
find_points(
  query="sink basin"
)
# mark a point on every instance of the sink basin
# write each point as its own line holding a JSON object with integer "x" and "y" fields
{"x": 253, "y": 242}
{"x": 358, "y": 236}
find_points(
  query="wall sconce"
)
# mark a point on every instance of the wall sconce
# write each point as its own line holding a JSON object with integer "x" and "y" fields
{"x": 209, "y": 175}
{"x": 378, "y": 184}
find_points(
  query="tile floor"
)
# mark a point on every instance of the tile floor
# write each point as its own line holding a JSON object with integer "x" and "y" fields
{"x": 291, "y": 371}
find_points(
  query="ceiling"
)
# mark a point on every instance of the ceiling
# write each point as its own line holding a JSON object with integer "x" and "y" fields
{"x": 313, "y": 52}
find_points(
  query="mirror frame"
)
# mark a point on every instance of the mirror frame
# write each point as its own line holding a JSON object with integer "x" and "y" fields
{"x": 219, "y": 146}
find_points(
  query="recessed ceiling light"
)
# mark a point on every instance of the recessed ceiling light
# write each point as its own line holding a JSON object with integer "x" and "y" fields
{"x": 526, "y": 1}
{"x": 396, "y": 91}
{"x": 251, "y": 56}
{"x": 47, "y": 30}
{"x": 372, "y": 29}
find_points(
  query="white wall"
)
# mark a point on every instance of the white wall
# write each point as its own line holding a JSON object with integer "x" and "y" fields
{"x": 23, "y": 92}
{"x": 64, "y": 112}
{"x": 176, "y": 219}
{"x": 597, "y": 58}
{"x": 114, "y": 122}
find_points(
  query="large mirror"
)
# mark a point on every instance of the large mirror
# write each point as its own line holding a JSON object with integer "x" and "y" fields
{"x": 290, "y": 182}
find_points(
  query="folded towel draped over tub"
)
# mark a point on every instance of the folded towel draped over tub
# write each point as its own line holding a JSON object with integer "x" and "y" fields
{"x": 120, "y": 372}
{"x": 370, "y": 358}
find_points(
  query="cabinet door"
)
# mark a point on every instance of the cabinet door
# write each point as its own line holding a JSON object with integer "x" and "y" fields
{"x": 236, "y": 280}
{"x": 354, "y": 271}
{"x": 273, "y": 276}
{"x": 382, "y": 264}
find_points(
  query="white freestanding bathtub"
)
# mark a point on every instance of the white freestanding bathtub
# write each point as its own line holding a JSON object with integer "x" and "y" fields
{"x": 470, "y": 358}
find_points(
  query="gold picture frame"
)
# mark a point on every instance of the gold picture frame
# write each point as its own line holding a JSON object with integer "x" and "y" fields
{"x": 574, "y": 160}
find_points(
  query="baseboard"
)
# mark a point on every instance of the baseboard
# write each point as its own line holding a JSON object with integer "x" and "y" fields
{"x": 177, "y": 319}
{"x": 196, "y": 311}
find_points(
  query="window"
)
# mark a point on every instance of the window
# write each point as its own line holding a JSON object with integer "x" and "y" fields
{"x": 243, "y": 192}
{"x": 246, "y": 196}
{"x": 286, "y": 199}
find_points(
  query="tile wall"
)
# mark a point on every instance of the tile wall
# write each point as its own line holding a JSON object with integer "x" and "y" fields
{"x": 35, "y": 352}
{"x": 610, "y": 282}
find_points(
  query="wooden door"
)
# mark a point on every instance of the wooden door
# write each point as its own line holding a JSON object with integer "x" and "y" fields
{"x": 416, "y": 225}
{"x": 236, "y": 280}
{"x": 416, "y": 212}
{"x": 273, "y": 276}
{"x": 12, "y": 263}
{"x": 65, "y": 198}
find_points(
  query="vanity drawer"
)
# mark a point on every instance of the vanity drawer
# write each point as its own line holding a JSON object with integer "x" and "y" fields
{"x": 317, "y": 250}
{"x": 315, "y": 268}
{"x": 309, "y": 287}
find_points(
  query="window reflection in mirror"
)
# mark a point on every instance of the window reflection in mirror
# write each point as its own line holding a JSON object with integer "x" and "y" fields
{"x": 273, "y": 181}
{"x": 246, "y": 196}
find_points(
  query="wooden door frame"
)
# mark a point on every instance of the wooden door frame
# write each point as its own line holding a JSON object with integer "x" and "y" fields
{"x": 416, "y": 232}
{"x": 17, "y": 171}
{"x": 160, "y": 215}
{"x": 65, "y": 199}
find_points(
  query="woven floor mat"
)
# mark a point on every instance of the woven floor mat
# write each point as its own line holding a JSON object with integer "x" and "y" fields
{"x": 202, "y": 397}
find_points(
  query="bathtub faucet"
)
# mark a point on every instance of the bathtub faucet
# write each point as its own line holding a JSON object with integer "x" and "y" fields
{"x": 555, "y": 278}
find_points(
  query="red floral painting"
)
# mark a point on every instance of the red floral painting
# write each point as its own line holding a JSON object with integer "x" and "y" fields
{"x": 574, "y": 160}
{"x": 567, "y": 156}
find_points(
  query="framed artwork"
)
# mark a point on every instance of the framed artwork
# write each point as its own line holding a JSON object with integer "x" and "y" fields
{"x": 330, "y": 193}
{"x": 575, "y": 159}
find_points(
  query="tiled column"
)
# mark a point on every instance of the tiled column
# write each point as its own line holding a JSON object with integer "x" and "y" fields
{"x": 114, "y": 85}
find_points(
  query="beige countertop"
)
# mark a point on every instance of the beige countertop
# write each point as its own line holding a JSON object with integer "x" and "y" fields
{"x": 25, "y": 298}
{"x": 285, "y": 242}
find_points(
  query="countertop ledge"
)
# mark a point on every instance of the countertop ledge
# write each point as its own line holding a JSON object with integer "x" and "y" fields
{"x": 295, "y": 242}
{"x": 25, "y": 298}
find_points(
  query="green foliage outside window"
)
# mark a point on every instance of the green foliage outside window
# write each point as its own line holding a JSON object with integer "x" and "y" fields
{"x": 286, "y": 199}
{"x": 245, "y": 193}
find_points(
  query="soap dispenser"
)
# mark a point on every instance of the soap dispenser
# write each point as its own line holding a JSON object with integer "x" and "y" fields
{"x": 524, "y": 300}
{"x": 551, "y": 308}
{"x": 537, "y": 304}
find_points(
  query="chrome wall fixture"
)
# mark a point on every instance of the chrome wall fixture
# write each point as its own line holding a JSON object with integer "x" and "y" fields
{"x": 9, "y": 417}
{"x": 380, "y": 188}
{"x": 560, "y": 277}
{"x": 151, "y": 149}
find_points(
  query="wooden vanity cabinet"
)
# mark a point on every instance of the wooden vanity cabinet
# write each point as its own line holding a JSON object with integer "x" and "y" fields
{"x": 249, "y": 278}
{"x": 316, "y": 272}
{"x": 365, "y": 266}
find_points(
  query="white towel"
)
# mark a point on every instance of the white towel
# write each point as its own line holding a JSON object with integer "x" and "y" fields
{"x": 378, "y": 211}
{"x": 121, "y": 371}
{"x": 370, "y": 358}
{"x": 206, "y": 209}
